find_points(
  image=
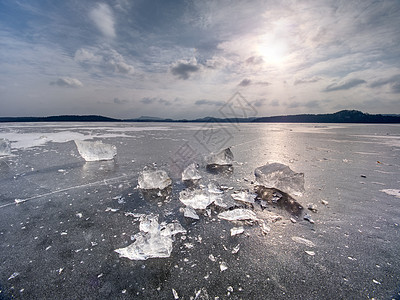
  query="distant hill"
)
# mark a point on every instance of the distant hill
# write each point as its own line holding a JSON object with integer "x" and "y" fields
{"x": 343, "y": 116}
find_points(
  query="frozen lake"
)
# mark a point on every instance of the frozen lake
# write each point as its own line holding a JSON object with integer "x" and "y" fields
{"x": 61, "y": 218}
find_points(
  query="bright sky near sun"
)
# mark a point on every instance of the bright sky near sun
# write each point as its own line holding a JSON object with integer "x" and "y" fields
{"x": 184, "y": 59}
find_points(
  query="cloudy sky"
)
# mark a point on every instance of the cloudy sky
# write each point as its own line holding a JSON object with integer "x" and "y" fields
{"x": 185, "y": 59}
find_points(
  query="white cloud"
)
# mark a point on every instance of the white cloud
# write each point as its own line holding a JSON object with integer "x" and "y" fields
{"x": 67, "y": 82}
{"x": 103, "y": 18}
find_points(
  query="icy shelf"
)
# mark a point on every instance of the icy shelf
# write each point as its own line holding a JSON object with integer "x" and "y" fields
{"x": 153, "y": 179}
{"x": 5, "y": 147}
{"x": 281, "y": 177}
{"x": 191, "y": 173}
{"x": 153, "y": 240}
{"x": 222, "y": 158}
{"x": 95, "y": 151}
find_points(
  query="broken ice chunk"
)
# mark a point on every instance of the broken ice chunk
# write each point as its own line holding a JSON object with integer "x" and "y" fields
{"x": 195, "y": 198}
{"x": 304, "y": 241}
{"x": 237, "y": 230}
{"x": 150, "y": 179}
{"x": 238, "y": 214}
{"x": 223, "y": 266}
{"x": 222, "y": 158}
{"x": 13, "y": 275}
{"x": 5, "y": 147}
{"x": 308, "y": 218}
{"x": 244, "y": 196}
{"x": 189, "y": 212}
{"x": 191, "y": 173}
{"x": 95, "y": 151}
{"x": 281, "y": 177}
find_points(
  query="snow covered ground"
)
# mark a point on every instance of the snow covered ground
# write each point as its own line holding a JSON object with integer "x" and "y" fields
{"x": 62, "y": 217}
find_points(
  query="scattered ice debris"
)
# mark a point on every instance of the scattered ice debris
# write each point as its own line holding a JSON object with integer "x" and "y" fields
{"x": 223, "y": 266}
{"x": 120, "y": 199}
{"x": 304, "y": 241}
{"x": 222, "y": 158}
{"x": 376, "y": 281}
{"x": 196, "y": 198}
{"x": 324, "y": 202}
{"x": 392, "y": 192}
{"x": 5, "y": 147}
{"x": 237, "y": 230}
{"x": 153, "y": 240}
{"x": 312, "y": 207}
{"x": 238, "y": 214}
{"x": 212, "y": 258}
{"x": 112, "y": 209}
{"x": 311, "y": 253}
{"x": 308, "y": 218}
{"x": 151, "y": 178}
{"x": 281, "y": 177}
{"x": 13, "y": 275}
{"x": 244, "y": 196}
{"x": 191, "y": 173}
{"x": 189, "y": 212}
{"x": 236, "y": 249}
{"x": 95, "y": 150}
{"x": 176, "y": 296}
{"x": 230, "y": 289}
{"x": 79, "y": 215}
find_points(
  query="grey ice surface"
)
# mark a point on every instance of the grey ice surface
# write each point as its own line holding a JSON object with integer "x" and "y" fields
{"x": 58, "y": 241}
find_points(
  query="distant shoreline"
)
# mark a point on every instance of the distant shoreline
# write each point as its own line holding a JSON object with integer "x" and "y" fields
{"x": 344, "y": 116}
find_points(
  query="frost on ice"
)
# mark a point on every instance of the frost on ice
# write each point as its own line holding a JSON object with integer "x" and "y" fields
{"x": 5, "y": 147}
{"x": 153, "y": 179}
{"x": 222, "y": 158}
{"x": 191, "y": 173}
{"x": 95, "y": 151}
{"x": 153, "y": 240}
{"x": 281, "y": 177}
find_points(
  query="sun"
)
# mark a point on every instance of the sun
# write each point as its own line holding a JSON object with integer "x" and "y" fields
{"x": 273, "y": 51}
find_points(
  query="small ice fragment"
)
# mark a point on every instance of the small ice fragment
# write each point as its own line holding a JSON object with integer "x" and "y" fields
{"x": 196, "y": 198}
{"x": 293, "y": 220}
{"x": 392, "y": 192}
{"x": 264, "y": 227}
{"x": 189, "y": 212}
{"x": 244, "y": 196}
{"x": 376, "y": 281}
{"x": 230, "y": 289}
{"x": 211, "y": 257}
{"x": 5, "y": 147}
{"x": 236, "y": 249}
{"x": 153, "y": 179}
{"x": 120, "y": 199}
{"x": 324, "y": 202}
{"x": 13, "y": 275}
{"x": 312, "y": 207}
{"x": 237, "y": 230}
{"x": 176, "y": 296}
{"x": 238, "y": 214}
{"x": 64, "y": 233}
{"x": 95, "y": 150}
{"x": 223, "y": 266}
{"x": 281, "y": 177}
{"x": 112, "y": 209}
{"x": 60, "y": 270}
{"x": 18, "y": 201}
{"x": 100, "y": 275}
{"x": 308, "y": 218}
{"x": 61, "y": 171}
{"x": 304, "y": 241}
{"x": 311, "y": 253}
{"x": 191, "y": 173}
{"x": 47, "y": 248}
{"x": 79, "y": 215}
{"x": 222, "y": 158}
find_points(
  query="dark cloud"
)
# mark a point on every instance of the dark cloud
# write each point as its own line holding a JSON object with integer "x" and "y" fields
{"x": 209, "y": 102}
{"x": 183, "y": 70}
{"x": 165, "y": 102}
{"x": 259, "y": 102}
{"x": 120, "y": 101}
{"x": 344, "y": 86}
{"x": 307, "y": 80}
{"x": 147, "y": 100}
{"x": 393, "y": 82}
{"x": 245, "y": 82}
{"x": 67, "y": 82}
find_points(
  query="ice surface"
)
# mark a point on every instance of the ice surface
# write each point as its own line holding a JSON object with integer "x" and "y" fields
{"x": 244, "y": 196}
{"x": 153, "y": 240}
{"x": 238, "y": 214}
{"x": 222, "y": 158}
{"x": 196, "y": 198}
{"x": 281, "y": 177}
{"x": 153, "y": 179}
{"x": 5, "y": 147}
{"x": 191, "y": 173}
{"x": 95, "y": 151}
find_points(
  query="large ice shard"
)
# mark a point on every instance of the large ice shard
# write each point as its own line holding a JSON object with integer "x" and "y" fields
{"x": 222, "y": 158}
{"x": 238, "y": 215}
{"x": 191, "y": 173}
{"x": 244, "y": 196}
{"x": 281, "y": 177}
{"x": 196, "y": 198}
{"x": 95, "y": 150}
{"x": 153, "y": 240}
{"x": 5, "y": 147}
{"x": 153, "y": 179}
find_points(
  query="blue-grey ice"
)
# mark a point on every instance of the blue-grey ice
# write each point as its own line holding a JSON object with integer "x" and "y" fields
{"x": 95, "y": 150}
{"x": 5, "y": 147}
{"x": 153, "y": 179}
{"x": 281, "y": 177}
